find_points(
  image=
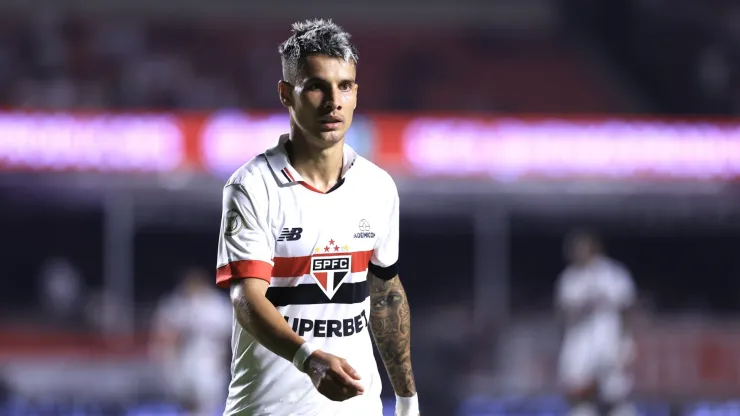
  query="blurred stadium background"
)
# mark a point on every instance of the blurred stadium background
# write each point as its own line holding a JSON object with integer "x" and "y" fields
{"x": 505, "y": 123}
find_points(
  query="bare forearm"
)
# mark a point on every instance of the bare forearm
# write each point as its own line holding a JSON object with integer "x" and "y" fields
{"x": 260, "y": 318}
{"x": 390, "y": 322}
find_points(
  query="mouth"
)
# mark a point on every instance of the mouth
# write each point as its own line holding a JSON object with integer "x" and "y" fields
{"x": 331, "y": 122}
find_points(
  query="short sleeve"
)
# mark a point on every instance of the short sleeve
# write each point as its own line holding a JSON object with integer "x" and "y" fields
{"x": 384, "y": 260}
{"x": 244, "y": 248}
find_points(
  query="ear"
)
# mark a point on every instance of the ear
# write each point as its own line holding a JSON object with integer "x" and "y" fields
{"x": 285, "y": 93}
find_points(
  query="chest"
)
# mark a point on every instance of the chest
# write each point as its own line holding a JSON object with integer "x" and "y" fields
{"x": 305, "y": 223}
{"x": 590, "y": 283}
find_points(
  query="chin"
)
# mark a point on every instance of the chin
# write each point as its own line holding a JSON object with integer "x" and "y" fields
{"x": 331, "y": 137}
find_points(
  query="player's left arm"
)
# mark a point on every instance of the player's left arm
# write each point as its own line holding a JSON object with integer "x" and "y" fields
{"x": 390, "y": 317}
{"x": 390, "y": 322}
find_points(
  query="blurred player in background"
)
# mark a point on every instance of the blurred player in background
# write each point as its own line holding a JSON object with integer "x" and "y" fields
{"x": 191, "y": 334}
{"x": 309, "y": 249}
{"x": 594, "y": 293}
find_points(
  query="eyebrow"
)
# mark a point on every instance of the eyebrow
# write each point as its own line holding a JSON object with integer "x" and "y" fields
{"x": 324, "y": 81}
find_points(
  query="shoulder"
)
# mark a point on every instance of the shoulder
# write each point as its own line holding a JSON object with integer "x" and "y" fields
{"x": 247, "y": 188}
{"x": 377, "y": 178}
{"x": 618, "y": 274}
{"x": 169, "y": 307}
{"x": 249, "y": 173}
{"x": 251, "y": 178}
{"x": 614, "y": 266}
{"x": 572, "y": 277}
{"x": 566, "y": 276}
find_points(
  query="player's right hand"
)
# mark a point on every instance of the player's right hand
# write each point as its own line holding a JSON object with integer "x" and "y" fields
{"x": 333, "y": 377}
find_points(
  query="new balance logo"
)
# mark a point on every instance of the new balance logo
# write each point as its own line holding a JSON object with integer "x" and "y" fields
{"x": 290, "y": 234}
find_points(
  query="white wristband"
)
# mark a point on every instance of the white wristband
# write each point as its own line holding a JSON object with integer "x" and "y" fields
{"x": 407, "y": 406}
{"x": 300, "y": 357}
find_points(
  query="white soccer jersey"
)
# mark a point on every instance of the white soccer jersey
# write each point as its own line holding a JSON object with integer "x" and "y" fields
{"x": 314, "y": 249}
{"x": 603, "y": 279}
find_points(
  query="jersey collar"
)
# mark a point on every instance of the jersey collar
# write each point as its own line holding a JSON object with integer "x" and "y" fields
{"x": 279, "y": 162}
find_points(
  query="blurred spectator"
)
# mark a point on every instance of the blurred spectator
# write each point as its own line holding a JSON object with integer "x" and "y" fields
{"x": 61, "y": 294}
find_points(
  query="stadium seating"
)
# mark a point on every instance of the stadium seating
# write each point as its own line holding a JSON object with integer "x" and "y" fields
{"x": 70, "y": 63}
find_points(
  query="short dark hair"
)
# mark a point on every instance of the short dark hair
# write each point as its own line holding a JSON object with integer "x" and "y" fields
{"x": 317, "y": 36}
{"x": 584, "y": 233}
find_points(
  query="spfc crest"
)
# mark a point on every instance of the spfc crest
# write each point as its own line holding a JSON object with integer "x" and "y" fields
{"x": 329, "y": 270}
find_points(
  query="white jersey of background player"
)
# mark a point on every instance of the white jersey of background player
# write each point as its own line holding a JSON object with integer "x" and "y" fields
{"x": 593, "y": 293}
{"x": 192, "y": 328}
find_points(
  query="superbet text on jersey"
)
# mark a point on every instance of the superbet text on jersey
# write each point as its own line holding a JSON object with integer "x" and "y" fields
{"x": 314, "y": 249}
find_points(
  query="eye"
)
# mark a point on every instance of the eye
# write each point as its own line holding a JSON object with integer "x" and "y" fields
{"x": 345, "y": 86}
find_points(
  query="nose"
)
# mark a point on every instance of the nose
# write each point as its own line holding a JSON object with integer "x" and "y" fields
{"x": 331, "y": 100}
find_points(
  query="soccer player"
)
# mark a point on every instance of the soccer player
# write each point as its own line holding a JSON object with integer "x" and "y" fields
{"x": 593, "y": 295}
{"x": 309, "y": 249}
{"x": 190, "y": 330}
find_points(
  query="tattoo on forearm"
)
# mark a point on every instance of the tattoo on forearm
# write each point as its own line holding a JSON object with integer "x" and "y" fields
{"x": 390, "y": 322}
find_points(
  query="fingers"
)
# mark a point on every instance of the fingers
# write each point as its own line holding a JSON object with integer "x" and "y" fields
{"x": 349, "y": 370}
{"x": 338, "y": 384}
{"x": 338, "y": 381}
{"x": 344, "y": 380}
{"x": 336, "y": 391}
{"x": 347, "y": 376}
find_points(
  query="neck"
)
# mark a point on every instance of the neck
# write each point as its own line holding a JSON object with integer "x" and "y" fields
{"x": 320, "y": 167}
{"x": 588, "y": 260}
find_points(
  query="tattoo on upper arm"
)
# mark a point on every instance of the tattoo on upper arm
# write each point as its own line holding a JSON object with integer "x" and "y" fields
{"x": 390, "y": 322}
